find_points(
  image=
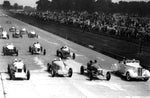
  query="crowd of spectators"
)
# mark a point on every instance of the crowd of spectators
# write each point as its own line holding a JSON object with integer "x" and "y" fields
{"x": 121, "y": 26}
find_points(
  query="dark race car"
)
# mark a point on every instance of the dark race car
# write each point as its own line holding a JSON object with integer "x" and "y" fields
{"x": 23, "y": 31}
{"x": 94, "y": 70}
{"x": 12, "y": 29}
{"x": 32, "y": 34}
{"x": 37, "y": 49}
{"x": 10, "y": 49}
{"x": 17, "y": 34}
{"x": 65, "y": 53}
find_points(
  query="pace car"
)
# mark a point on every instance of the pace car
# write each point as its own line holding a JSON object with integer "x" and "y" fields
{"x": 131, "y": 69}
{"x": 37, "y": 49}
{"x": 4, "y": 35}
{"x": 10, "y": 49}
{"x": 94, "y": 70}
{"x": 64, "y": 52}
{"x": 17, "y": 70}
{"x": 12, "y": 29}
{"x": 32, "y": 34}
{"x": 59, "y": 67}
{"x": 17, "y": 34}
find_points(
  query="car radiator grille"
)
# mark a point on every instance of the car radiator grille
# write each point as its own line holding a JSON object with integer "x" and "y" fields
{"x": 139, "y": 71}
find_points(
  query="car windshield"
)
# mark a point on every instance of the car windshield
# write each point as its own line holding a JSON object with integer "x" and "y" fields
{"x": 133, "y": 63}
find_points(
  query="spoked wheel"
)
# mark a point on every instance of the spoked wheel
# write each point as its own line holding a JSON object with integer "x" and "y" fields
{"x": 82, "y": 70}
{"x": 128, "y": 78}
{"x": 48, "y": 67}
{"x": 28, "y": 75}
{"x": 108, "y": 76}
{"x": 57, "y": 53}
{"x": 70, "y": 72}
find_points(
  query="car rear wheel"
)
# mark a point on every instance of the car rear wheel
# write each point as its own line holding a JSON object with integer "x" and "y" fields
{"x": 91, "y": 76}
{"x": 44, "y": 52}
{"x": 146, "y": 79}
{"x": 28, "y": 75}
{"x": 52, "y": 72}
{"x": 73, "y": 56}
{"x": 70, "y": 72}
{"x": 82, "y": 70}
{"x": 108, "y": 76}
{"x": 128, "y": 78}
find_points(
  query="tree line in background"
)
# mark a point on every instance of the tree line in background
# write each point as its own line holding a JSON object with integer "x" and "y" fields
{"x": 104, "y": 6}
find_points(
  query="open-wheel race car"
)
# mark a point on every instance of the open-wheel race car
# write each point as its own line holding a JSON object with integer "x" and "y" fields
{"x": 17, "y": 34}
{"x": 64, "y": 53}
{"x": 94, "y": 70}
{"x": 59, "y": 67}
{"x": 32, "y": 34}
{"x": 12, "y": 29}
{"x": 17, "y": 70}
{"x": 23, "y": 31}
{"x": 37, "y": 49}
{"x": 4, "y": 35}
{"x": 10, "y": 49}
{"x": 131, "y": 69}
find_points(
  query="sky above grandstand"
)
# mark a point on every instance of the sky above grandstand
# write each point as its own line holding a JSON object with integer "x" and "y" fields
{"x": 32, "y": 2}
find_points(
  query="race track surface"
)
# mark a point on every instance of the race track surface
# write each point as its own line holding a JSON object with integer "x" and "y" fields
{"x": 42, "y": 85}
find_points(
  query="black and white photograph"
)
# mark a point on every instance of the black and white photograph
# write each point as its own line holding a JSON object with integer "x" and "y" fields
{"x": 74, "y": 48}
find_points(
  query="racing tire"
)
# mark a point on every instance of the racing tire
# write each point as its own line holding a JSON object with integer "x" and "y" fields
{"x": 57, "y": 53}
{"x": 108, "y": 76}
{"x": 44, "y": 52}
{"x": 128, "y": 78}
{"x": 7, "y": 36}
{"x": 82, "y": 70}
{"x": 28, "y": 75}
{"x": 48, "y": 67}
{"x": 52, "y": 73}
{"x": 91, "y": 76}
{"x": 8, "y": 69}
{"x": 73, "y": 56}
{"x": 29, "y": 48}
{"x": 70, "y": 72}
{"x": 146, "y": 79}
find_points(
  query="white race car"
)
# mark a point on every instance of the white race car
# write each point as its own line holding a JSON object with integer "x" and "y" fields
{"x": 59, "y": 67}
{"x": 17, "y": 70}
{"x": 4, "y": 35}
{"x": 37, "y": 49}
{"x": 131, "y": 69}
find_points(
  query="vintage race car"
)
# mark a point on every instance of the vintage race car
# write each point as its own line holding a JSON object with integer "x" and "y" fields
{"x": 1, "y": 29}
{"x": 17, "y": 34}
{"x": 17, "y": 70}
{"x": 12, "y": 29}
{"x": 59, "y": 67}
{"x": 4, "y": 35}
{"x": 64, "y": 53}
{"x": 131, "y": 69}
{"x": 10, "y": 49}
{"x": 37, "y": 49}
{"x": 23, "y": 31}
{"x": 32, "y": 34}
{"x": 94, "y": 70}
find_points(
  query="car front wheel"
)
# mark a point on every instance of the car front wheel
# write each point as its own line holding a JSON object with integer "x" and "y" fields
{"x": 128, "y": 78}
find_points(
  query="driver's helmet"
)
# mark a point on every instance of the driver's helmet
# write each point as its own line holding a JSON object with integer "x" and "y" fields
{"x": 15, "y": 60}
